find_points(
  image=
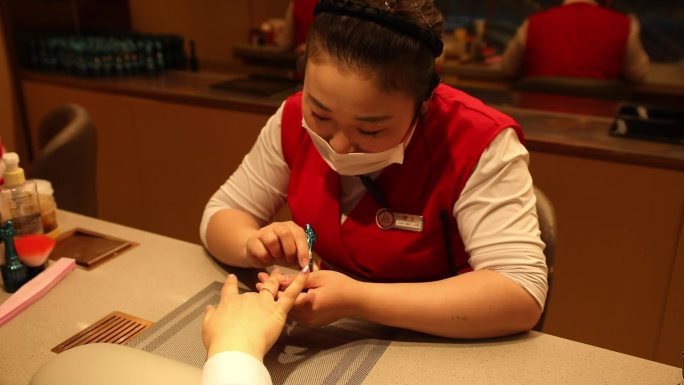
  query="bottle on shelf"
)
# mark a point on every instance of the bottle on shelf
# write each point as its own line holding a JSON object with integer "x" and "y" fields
{"x": 19, "y": 198}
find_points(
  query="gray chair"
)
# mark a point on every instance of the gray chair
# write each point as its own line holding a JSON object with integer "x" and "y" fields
{"x": 582, "y": 87}
{"x": 67, "y": 155}
{"x": 547, "y": 226}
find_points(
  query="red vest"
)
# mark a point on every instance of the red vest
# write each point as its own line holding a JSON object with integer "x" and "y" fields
{"x": 438, "y": 161}
{"x": 302, "y": 14}
{"x": 576, "y": 40}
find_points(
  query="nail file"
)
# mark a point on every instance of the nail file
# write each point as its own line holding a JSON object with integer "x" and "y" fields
{"x": 35, "y": 289}
{"x": 311, "y": 239}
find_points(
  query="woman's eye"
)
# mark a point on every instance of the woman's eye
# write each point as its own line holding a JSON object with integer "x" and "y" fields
{"x": 370, "y": 133}
{"x": 319, "y": 118}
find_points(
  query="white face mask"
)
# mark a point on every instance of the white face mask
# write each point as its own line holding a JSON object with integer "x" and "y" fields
{"x": 358, "y": 163}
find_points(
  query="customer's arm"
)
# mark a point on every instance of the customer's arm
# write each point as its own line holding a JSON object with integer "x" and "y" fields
{"x": 636, "y": 63}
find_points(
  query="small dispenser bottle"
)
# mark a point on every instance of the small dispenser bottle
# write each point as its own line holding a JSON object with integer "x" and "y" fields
{"x": 14, "y": 273}
{"x": 19, "y": 198}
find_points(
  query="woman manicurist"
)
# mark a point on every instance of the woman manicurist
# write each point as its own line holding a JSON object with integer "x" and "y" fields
{"x": 419, "y": 194}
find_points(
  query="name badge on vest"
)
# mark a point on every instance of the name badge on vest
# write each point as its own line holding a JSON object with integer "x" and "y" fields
{"x": 388, "y": 220}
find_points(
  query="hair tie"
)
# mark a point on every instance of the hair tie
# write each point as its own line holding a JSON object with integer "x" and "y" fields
{"x": 384, "y": 18}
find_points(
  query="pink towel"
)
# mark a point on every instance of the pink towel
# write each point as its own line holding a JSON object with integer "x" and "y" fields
{"x": 35, "y": 289}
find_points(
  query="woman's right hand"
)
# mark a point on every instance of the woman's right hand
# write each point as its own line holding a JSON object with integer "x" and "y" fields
{"x": 282, "y": 243}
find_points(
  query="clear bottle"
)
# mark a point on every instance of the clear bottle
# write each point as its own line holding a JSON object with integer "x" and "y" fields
{"x": 19, "y": 198}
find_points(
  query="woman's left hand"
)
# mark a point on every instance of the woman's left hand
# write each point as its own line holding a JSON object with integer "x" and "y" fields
{"x": 331, "y": 296}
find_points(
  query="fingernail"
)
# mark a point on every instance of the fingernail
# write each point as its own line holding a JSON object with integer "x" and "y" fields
{"x": 231, "y": 275}
{"x": 305, "y": 269}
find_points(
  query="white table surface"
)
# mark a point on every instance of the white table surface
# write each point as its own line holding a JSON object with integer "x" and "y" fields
{"x": 152, "y": 279}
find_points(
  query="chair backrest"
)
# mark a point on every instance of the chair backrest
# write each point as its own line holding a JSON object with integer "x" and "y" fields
{"x": 67, "y": 155}
{"x": 547, "y": 226}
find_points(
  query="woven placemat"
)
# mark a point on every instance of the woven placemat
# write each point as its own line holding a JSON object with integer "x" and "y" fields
{"x": 340, "y": 353}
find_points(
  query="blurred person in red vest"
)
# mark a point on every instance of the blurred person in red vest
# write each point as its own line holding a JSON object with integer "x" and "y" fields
{"x": 298, "y": 19}
{"x": 580, "y": 38}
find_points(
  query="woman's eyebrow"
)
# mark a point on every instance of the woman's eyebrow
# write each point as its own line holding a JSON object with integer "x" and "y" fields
{"x": 374, "y": 118}
{"x": 318, "y": 103}
{"x": 369, "y": 118}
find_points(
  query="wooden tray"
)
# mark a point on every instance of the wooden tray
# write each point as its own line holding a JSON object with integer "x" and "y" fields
{"x": 88, "y": 247}
{"x": 115, "y": 328}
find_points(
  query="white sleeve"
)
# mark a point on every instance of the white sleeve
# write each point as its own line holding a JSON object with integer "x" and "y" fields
{"x": 259, "y": 185}
{"x": 636, "y": 63}
{"x": 234, "y": 368}
{"x": 497, "y": 217}
{"x": 513, "y": 58}
{"x": 286, "y": 38}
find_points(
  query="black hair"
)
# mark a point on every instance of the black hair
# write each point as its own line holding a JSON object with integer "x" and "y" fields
{"x": 397, "y": 58}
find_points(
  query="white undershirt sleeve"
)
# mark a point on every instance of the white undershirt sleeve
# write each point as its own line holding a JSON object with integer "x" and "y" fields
{"x": 497, "y": 217}
{"x": 636, "y": 63}
{"x": 513, "y": 58}
{"x": 234, "y": 368}
{"x": 259, "y": 185}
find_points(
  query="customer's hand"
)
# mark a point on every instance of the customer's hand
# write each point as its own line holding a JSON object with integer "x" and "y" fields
{"x": 282, "y": 243}
{"x": 249, "y": 322}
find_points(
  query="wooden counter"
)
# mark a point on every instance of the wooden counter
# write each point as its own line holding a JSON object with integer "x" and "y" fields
{"x": 154, "y": 278}
{"x": 553, "y": 123}
{"x": 166, "y": 144}
{"x": 587, "y": 137}
{"x": 181, "y": 87}
{"x": 663, "y": 84}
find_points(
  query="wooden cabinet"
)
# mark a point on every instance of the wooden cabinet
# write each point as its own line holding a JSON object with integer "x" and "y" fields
{"x": 158, "y": 162}
{"x": 619, "y": 264}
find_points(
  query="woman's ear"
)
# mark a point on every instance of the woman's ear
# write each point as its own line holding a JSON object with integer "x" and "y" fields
{"x": 425, "y": 106}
